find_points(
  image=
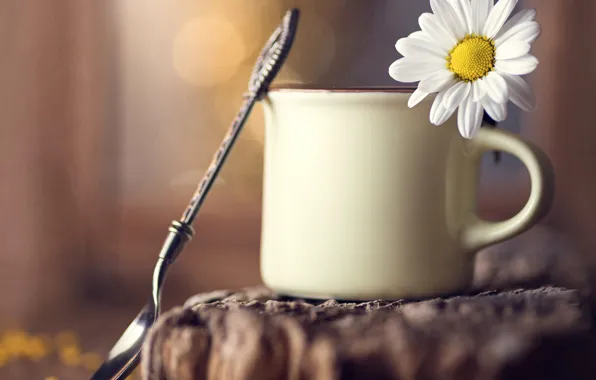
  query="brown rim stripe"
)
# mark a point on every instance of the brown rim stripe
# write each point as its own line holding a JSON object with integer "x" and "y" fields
{"x": 318, "y": 88}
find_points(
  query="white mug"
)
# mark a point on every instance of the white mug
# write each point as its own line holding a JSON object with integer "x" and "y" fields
{"x": 364, "y": 198}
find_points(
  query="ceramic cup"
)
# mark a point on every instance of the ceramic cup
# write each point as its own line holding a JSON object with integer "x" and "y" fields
{"x": 365, "y": 199}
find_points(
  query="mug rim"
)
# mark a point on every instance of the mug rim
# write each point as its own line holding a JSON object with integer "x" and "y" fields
{"x": 289, "y": 87}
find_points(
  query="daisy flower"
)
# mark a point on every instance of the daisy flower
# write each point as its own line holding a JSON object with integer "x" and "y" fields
{"x": 472, "y": 57}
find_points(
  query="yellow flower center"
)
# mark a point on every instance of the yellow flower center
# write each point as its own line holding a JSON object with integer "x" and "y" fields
{"x": 472, "y": 58}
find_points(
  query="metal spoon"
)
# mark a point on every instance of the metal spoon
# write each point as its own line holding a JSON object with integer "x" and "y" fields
{"x": 124, "y": 356}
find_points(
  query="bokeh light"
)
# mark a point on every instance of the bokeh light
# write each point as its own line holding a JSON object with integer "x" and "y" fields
{"x": 207, "y": 51}
{"x": 254, "y": 20}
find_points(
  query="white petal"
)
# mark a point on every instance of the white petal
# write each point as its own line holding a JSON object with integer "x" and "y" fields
{"x": 469, "y": 118}
{"x": 478, "y": 89}
{"x": 438, "y": 113}
{"x": 419, "y": 49}
{"x": 520, "y": 17}
{"x": 436, "y": 107}
{"x": 484, "y": 86}
{"x": 491, "y": 5}
{"x": 435, "y": 30}
{"x": 496, "y": 87}
{"x": 512, "y": 49}
{"x": 409, "y": 70}
{"x": 527, "y": 31}
{"x": 437, "y": 81}
{"x": 463, "y": 9}
{"x": 420, "y": 35}
{"x": 416, "y": 97}
{"x": 518, "y": 66}
{"x": 480, "y": 12}
{"x": 449, "y": 18}
{"x": 444, "y": 115}
{"x": 498, "y": 16}
{"x": 456, "y": 94}
{"x": 497, "y": 111}
{"x": 520, "y": 92}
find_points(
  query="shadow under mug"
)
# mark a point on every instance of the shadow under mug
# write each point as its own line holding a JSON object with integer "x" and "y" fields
{"x": 364, "y": 198}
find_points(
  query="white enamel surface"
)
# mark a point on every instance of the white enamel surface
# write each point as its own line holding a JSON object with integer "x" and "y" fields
{"x": 363, "y": 197}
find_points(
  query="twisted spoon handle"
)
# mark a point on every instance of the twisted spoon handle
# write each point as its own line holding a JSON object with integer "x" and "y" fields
{"x": 266, "y": 68}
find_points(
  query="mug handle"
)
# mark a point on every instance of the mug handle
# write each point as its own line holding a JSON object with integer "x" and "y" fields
{"x": 477, "y": 233}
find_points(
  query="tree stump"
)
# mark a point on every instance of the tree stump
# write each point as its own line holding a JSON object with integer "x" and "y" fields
{"x": 542, "y": 333}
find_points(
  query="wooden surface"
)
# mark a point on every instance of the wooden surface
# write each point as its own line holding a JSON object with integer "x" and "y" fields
{"x": 543, "y": 332}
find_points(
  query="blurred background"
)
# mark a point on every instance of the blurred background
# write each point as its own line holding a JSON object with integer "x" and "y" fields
{"x": 110, "y": 111}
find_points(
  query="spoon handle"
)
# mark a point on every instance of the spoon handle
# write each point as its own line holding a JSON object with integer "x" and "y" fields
{"x": 124, "y": 356}
{"x": 180, "y": 232}
{"x": 266, "y": 68}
